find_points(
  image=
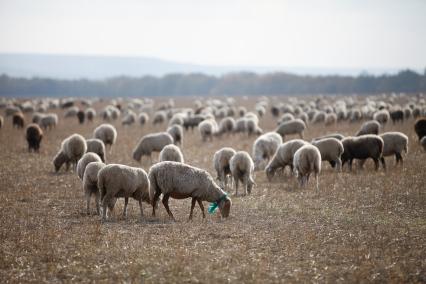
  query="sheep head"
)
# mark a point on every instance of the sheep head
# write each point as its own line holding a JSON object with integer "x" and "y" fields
{"x": 225, "y": 207}
{"x": 59, "y": 160}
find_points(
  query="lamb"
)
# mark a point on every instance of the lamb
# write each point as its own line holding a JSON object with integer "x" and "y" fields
{"x": 242, "y": 168}
{"x": 90, "y": 184}
{"x": 49, "y": 121}
{"x": 394, "y": 144}
{"x": 207, "y": 128}
{"x": 90, "y": 113}
{"x": 420, "y": 128}
{"x": 84, "y": 161}
{"x": 331, "y": 150}
{"x": 34, "y": 135}
{"x": 149, "y": 143}
{"x": 181, "y": 181}
{"x": 72, "y": 149}
{"x": 369, "y": 127}
{"x": 176, "y": 131}
{"x": 18, "y": 120}
{"x": 362, "y": 147}
{"x": 382, "y": 116}
{"x": 307, "y": 160}
{"x": 338, "y": 136}
{"x": 107, "y": 133}
{"x": 171, "y": 153}
{"x": 283, "y": 157}
{"x": 96, "y": 146}
{"x": 265, "y": 147}
{"x": 423, "y": 142}
{"x": 221, "y": 164}
{"x": 295, "y": 126}
{"x": 116, "y": 181}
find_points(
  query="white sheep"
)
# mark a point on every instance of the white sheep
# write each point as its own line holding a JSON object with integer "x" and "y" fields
{"x": 330, "y": 119}
{"x": 159, "y": 117}
{"x": 307, "y": 160}
{"x": 143, "y": 118}
{"x": 49, "y": 121}
{"x": 90, "y": 113}
{"x": 369, "y": 127}
{"x": 283, "y": 157}
{"x": 338, "y": 136}
{"x": 382, "y": 116}
{"x": 129, "y": 118}
{"x": 72, "y": 149}
{"x": 107, "y": 133}
{"x": 207, "y": 129}
{"x": 295, "y": 126}
{"x": 90, "y": 184}
{"x": 264, "y": 148}
{"x": 181, "y": 181}
{"x": 149, "y": 143}
{"x": 171, "y": 153}
{"x": 394, "y": 144}
{"x": 116, "y": 181}
{"x": 221, "y": 164}
{"x": 226, "y": 125}
{"x": 84, "y": 161}
{"x": 242, "y": 169}
{"x": 96, "y": 146}
{"x": 331, "y": 150}
{"x": 176, "y": 131}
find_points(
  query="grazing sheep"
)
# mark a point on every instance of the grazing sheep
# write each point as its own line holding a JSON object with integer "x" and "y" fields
{"x": 394, "y": 144}
{"x": 176, "y": 131}
{"x": 362, "y": 147}
{"x": 307, "y": 160}
{"x": 397, "y": 116}
{"x": 226, "y": 125}
{"x": 207, "y": 129}
{"x": 177, "y": 119}
{"x": 143, "y": 118}
{"x": 193, "y": 121}
{"x": 338, "y": 136}
{"x": 369, "y": 127}
{"x": 116, "y": 181}
{"x": 18, "y": 120}
{"x": 331, "y": 150}
{"x": 330, "y": 119}
{"x": 240, "y": 125}
{"x": 252, "y": 128}
{"x": 34, "y": 135}
{"x": 283, "y": 157}
{"x": 1, "y": 121}
{"x": 423, "y": 142}
{"x": 90, "y": 113}
{"x": 285, "y": 117}
{"x": 179, "y": 181}
{"x": 149, "y": 143}
{"x": 107, "y": 133}
{"x": 71, "y": 112}
{"x": 382, "y": 116}
{"x": 296, "y": 126}
{"x": 159, "y": 117}
{"x": 37, "y": 117}
{"x": 265, "y": 147}
{"x": 420, "y": 128}
{"x": 87, "y": 158}
{"x": 242, "y": 169}
{"x": 221, "y": 164}
{"x": 81, "y": 116}
{"x": 319, "y": 117}
{"x": 90, "y": 184}
{"x": 171, "y": 153}
{"x": 129, "y": 118}
{"x": 72, "y": 149}
{"x": 49, "y": 121}
{"x": 96, "y": 146}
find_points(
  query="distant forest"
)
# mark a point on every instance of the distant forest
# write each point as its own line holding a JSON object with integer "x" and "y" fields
{"x": 199, "y": 84}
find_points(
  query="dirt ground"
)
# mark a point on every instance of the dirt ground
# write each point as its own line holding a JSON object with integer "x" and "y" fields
{"x": 362, "y": 226}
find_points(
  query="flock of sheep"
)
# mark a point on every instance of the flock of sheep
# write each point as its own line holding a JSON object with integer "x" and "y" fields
{"x": 171, "y": 177}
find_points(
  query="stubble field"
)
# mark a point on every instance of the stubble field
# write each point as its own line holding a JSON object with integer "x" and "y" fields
{"x": 361, "y": 226}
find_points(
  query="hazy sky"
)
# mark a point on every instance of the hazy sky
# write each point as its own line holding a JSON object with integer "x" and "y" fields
{"x": 316, "y": 33}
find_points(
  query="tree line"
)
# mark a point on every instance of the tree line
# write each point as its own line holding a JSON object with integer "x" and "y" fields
{"x": 243, "y": 83}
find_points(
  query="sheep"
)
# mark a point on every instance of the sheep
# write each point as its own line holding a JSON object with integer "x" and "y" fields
{"x": 1, "y": 121}
{"x": 116, "y": 181}
{"x": 226, "y": 125}
{"x": 177, "y": 119}
{"x": 221, "y": 164}
{"x": 362, "y": 147}
{"x": 71, "y": 112}
{"x": 149, "y": 143}
{"x": 129, "y": 118}
{"x": 176, "y": 131}
{"x": 382, "y": 116}
{"x": 107, "y": 133}
{"x": 18, "y": 120}
{"x": 193, "y": 121}
{"x": 285, "y": 117}
{"x": 159, "y": 117}
{"x": 181, "y": 181}
{"x": 369, "y": 127}
{"x": 49, "y": 121}
{"x": 37, "y": 117}
{"x": 143, "y": 118}
{"x": 296, "y": 126}
{"x": 330, "y": 119}
{"x": 252, "y": 128}
{"x": 307, "y": 160}
{"x": 331, "y": 150}
{"x": 81, "y": 116}
{"x": 283, "y": 157}
{"x": 171, "y": 153}
{"x": 240, "y": 125}
{"x": 207, "y": 129}
{"x": 319, "y": 116}
{"x": 397, "y": 116}
{"x": 242, "y": 111}
{"x": 420, "y": 128}
{"x": 90, "y": 113}
{"x": 423, "y": 142}
{"x": 264, "y": 148}
{"x": 96, "y": 146}
{"x": 338, "y": 136}
{"x": 242, "y": 168}
{"x": 90, "y": 184}
{"x": 87, "y": 158}
{"x": 34, "y": 135}
{"x": 394, "y": 144}
{"x": 72, "y": 149}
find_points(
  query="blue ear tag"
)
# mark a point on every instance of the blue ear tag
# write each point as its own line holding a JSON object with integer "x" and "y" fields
{"x": 213, "y": 206}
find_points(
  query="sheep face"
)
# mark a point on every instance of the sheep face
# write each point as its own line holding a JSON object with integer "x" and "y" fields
{"x": 137, "y": 155}
{"x": 270, "y": 172}
{"x": 250, "y": 185}
{"x": 225, "y": 207}
{"x": 59, "y": 160}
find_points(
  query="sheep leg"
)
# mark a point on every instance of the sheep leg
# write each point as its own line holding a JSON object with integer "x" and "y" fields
{"x": 399, "y": 159}
{"x": 376, "y": 164}
{"x": 166, "y": 205}
{"x": 192, "y": 208}
{"x": 236, "y": 186}
{"x": 126, "y": 202}
{"x": 140, "y": 207}
{"x": 316, "y": 179}
{"x": 350, "y": 164}
{"x": 88, "y": 203}
{"x": 338, "y": 165}
{"x": 383, "y": 162}
{"x": 104, "y": 210}
{"x": 97, "y": 202}
{"x": 154, "y": 201}
{"x": 301, "y": 135}
{"x": 200, "y": 203}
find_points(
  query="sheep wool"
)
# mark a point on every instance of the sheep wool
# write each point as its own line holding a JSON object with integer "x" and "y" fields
{"x": 84, "y": 161}
{"x": 265, "y": 147}
{"x": 242, "y": 169}
{"x": 171, "y": 152}
{"x": 90, "y": 184}
{"x": 72, "y": 149}
{"x": 221, "y": 164}
{"x": 307, "y": 160}
{"x": 149, "y": 143}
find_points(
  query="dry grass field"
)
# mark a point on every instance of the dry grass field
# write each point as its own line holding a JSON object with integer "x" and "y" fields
{"x": 362, "y": 226}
